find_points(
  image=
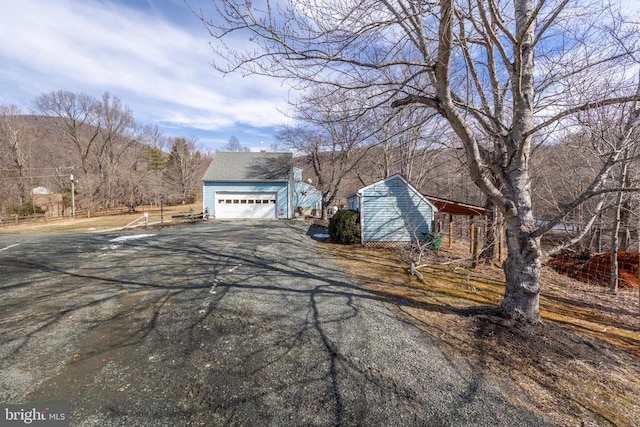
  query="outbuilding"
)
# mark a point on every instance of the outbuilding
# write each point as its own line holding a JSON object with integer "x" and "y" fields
{"x": 249, "y": 185}
{"x": 392, "y": 210}
{"x": 307, "y": 199}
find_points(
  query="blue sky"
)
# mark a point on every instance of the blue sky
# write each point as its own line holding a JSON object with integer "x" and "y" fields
{"x": 152, "y": 54}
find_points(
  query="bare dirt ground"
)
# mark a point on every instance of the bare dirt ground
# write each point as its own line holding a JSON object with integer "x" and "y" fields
{"x": 581, "y": 366}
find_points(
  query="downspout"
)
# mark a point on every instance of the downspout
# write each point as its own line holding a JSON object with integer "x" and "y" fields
{"x": 292, "y": 189}
{"x": 361, "y": 202}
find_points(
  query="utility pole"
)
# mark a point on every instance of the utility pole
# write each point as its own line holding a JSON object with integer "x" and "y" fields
{"x": 73, "y": 197}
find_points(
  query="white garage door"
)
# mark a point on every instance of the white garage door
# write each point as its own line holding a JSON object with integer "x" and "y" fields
{"x": 246, "y": 205}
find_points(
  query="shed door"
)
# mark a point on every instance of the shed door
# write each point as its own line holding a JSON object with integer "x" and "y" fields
{"x": 246, "y": 205}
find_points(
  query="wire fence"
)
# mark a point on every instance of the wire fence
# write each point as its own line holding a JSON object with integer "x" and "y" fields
{"x": 121, "y": 216}
{"x": 53, "y": 216}
{"x": 596, "y": 268}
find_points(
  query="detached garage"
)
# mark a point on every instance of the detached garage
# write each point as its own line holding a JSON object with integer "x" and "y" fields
{"x": 249, "y": 185}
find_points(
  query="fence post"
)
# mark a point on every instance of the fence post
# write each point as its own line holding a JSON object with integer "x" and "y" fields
{"x": 476, "y": 241}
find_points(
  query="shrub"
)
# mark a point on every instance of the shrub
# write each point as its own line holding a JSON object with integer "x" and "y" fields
{"x": 25, "y": 209}
{"x": 344, "y": 227}
{"x": 432, "y": 240}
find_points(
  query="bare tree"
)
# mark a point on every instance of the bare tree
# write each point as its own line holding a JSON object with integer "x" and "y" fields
{"x": 622, "y": 198}
{"x": 113, "y": 148}
{"x": 184, "y": 168}
{"x": 332, "y": 134}
{"x": 503, "y": 74}
{"x": 103, "y": 139}
{"x": 74, "y": 120}
{"x": 234, "y": 145}
{"x": 13, "y": 145}
{"x": 408, "y": 142}
{"x": 138, "y": 179}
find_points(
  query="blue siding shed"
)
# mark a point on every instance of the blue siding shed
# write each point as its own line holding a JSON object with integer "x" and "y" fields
{"x": 392, "y": 210}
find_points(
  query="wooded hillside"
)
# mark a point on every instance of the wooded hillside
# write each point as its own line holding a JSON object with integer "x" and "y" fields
{"x": 112, "y": 160}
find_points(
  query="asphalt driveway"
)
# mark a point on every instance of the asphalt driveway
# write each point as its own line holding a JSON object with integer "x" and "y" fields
{"x": 220, "y": 323}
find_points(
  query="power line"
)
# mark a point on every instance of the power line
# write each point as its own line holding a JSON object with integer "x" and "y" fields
{"x": 32, "y": 177}
{"x": 38, "y": 169}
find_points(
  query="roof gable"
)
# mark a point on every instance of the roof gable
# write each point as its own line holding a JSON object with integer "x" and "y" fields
{"x": 395, "y": 177}
{"x": 249, "y": 166}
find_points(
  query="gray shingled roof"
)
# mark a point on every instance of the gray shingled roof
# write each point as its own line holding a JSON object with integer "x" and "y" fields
{"x": 249, "y": 166}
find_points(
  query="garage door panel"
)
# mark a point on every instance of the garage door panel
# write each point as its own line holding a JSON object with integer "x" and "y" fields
{"x": 246, "y": 205}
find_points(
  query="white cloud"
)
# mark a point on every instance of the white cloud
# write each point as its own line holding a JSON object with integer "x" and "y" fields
{"x": 160, "y": 69}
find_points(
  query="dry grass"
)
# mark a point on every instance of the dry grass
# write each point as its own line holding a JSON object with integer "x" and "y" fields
{"x": 581, "y": 365}
{"x": 98, "y": 223}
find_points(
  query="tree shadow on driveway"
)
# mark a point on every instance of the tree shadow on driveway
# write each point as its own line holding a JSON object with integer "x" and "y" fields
{"x": 224, "y": 323}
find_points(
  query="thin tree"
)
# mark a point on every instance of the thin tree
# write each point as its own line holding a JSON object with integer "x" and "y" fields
{"x": 14, "y": 145}
{"x": 332, "y": 134}
{"x": 114, "y": 148}
{"x": 183, "y": 170}
{"x": 233, "y": 144}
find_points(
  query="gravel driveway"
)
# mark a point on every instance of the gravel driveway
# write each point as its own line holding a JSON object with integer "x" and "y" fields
{"x": 220, "y": 323}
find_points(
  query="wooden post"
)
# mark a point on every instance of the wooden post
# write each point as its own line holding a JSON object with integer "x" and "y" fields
{"x": 500, "y": 237}
{"x": 450, "y": 231}
{"x": 476, "y": 239}
{"x": 472, "y": 227}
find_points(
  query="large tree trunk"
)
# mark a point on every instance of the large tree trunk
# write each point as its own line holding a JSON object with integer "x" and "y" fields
{"x": 522, "y": 272}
